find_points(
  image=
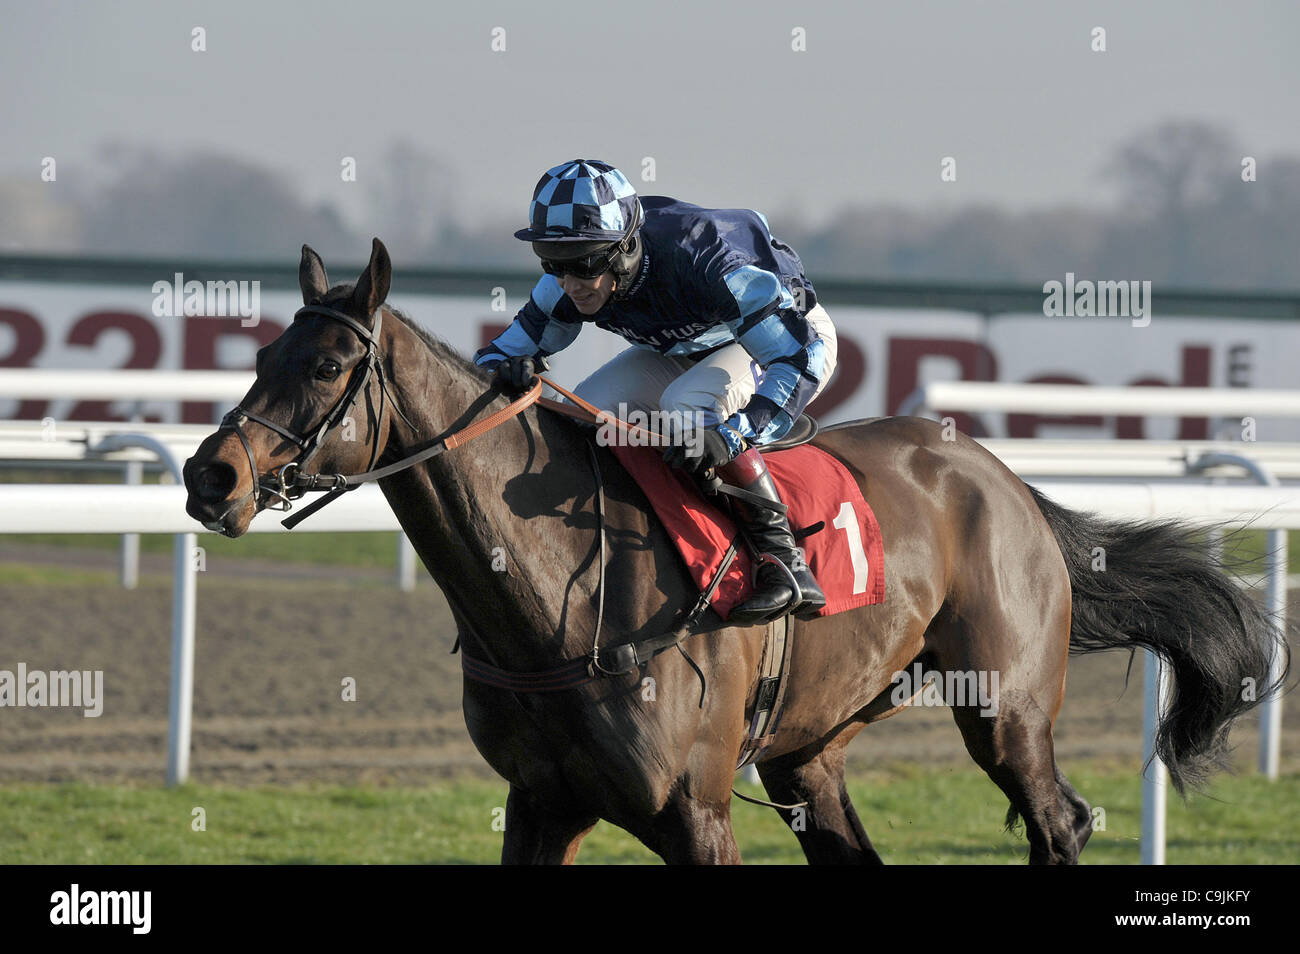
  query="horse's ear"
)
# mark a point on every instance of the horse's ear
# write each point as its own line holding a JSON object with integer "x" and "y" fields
{"x": 372, "y": 286}
{"x": 311, "y": 276}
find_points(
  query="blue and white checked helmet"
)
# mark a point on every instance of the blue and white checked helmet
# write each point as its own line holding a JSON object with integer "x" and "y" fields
{"x": 582, "y": 200}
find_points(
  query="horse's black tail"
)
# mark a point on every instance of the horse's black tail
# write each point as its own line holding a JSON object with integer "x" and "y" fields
{"x": 1157, "y": 585}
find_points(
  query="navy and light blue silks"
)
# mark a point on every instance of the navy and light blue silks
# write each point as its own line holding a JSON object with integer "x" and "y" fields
{"x": 708, "y": 277}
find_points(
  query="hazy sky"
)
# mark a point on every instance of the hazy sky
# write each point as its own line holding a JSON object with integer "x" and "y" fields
{"x": 712, "y": 91}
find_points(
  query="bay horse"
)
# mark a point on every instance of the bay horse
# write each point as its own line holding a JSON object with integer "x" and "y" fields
{"x": 984, "y": 574}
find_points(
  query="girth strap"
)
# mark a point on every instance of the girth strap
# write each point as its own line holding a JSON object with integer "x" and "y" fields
{"x": 613, "y": 660}
{"x": 773, "y": 673}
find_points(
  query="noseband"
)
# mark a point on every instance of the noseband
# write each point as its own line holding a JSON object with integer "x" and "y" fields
{"x": 277, "y": 491}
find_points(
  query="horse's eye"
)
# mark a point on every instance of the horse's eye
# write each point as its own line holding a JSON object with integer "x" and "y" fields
{"x": 328, "y": 370}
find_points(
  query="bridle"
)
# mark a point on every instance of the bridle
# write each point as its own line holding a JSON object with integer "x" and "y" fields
{"x": 277, "y": 491}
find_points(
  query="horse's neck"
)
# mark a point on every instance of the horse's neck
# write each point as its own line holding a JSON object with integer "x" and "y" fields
{"x": 485, "y": 556}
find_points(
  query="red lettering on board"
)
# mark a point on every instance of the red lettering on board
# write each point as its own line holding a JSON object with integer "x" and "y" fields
{"x": 975, "y": 362}
{"x": 1026, "y": 425}
{"x": 850, "y": 372}
{"x": 1195, "y": 374}
{"x": 146, "y": 348}
{"x": 29, "y": 338}
{"x": 200, "y": 353}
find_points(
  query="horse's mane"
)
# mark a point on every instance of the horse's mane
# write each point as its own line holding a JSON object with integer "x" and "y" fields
{"x": 435, "y": 344}
{"x": 440, "y": 348}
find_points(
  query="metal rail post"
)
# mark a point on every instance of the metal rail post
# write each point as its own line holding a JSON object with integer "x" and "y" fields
{"x": 1155, "y": 777}
{"x": 184, "y": 599}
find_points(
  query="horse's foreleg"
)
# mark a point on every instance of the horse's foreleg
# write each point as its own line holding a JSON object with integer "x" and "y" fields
{"x": 828, "y": 828}
{"x": 535, "y": 835}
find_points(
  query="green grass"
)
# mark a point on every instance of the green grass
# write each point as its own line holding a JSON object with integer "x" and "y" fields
{"x": 914, "y": 816}
{"x": 1245, "y": 550}
{"x": 21, "y": 574}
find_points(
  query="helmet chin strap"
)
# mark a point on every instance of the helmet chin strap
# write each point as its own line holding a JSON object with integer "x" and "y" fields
{"x": 628, "y": 261}
{"x": 627, "y": 265}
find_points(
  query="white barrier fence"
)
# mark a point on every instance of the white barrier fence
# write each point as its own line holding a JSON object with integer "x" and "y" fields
{"x": 160, "y": 508}
{"x": 223, "y": 386}
{"x": 98, "y": 444}
{"x": 1138, "y": 460}
{"x": 976, "y": 396}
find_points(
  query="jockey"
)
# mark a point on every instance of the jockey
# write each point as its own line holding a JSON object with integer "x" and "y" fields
{"x": 724, "y": 330}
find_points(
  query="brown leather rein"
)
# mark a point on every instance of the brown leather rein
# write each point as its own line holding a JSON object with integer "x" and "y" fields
{"x": 289, "y": 483}
{"x": 297, "y": 483}
{"x": 278, "y": 490}
{"x": 610, "y": 661}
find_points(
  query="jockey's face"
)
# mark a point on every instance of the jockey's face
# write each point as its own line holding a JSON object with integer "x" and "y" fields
{"x": 588, "y": 294}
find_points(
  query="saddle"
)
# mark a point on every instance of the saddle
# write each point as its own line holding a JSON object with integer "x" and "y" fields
{"x": 804, "y": 430}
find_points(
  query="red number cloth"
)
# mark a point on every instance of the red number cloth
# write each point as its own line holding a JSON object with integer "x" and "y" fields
{"x": 816, "y": 488}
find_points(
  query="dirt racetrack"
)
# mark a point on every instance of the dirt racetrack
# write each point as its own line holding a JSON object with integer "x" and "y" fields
{"x": 275, "y": 643}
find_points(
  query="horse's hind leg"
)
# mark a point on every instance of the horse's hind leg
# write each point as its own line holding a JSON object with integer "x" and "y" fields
{"x": 828, "y": 828}
{"x": 1015, "y": 749}
{"x": 1007, "y": 724}
{"x": 535, "y": 835}
{"x": 1079, "y": 809}
{"x": 1009, "y": 735}
{"x": 1004, "y": 639}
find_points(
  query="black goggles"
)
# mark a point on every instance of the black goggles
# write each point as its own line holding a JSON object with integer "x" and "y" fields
{"x": 592, "y": 266}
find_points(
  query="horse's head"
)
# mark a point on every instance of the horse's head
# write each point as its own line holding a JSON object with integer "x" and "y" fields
{"x": 303, "y": 413}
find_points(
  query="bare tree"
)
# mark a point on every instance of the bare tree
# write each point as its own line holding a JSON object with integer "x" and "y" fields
{"x": 1173, "y": 167}
{"x": 412, "y": 201}
{"x": 208, "y": 206}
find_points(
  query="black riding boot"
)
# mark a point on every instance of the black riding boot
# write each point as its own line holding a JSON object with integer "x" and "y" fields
{"x": 769, "y": 533}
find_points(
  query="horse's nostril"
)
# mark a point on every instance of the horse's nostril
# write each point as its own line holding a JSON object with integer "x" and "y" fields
{"x": 215, "y": 481}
